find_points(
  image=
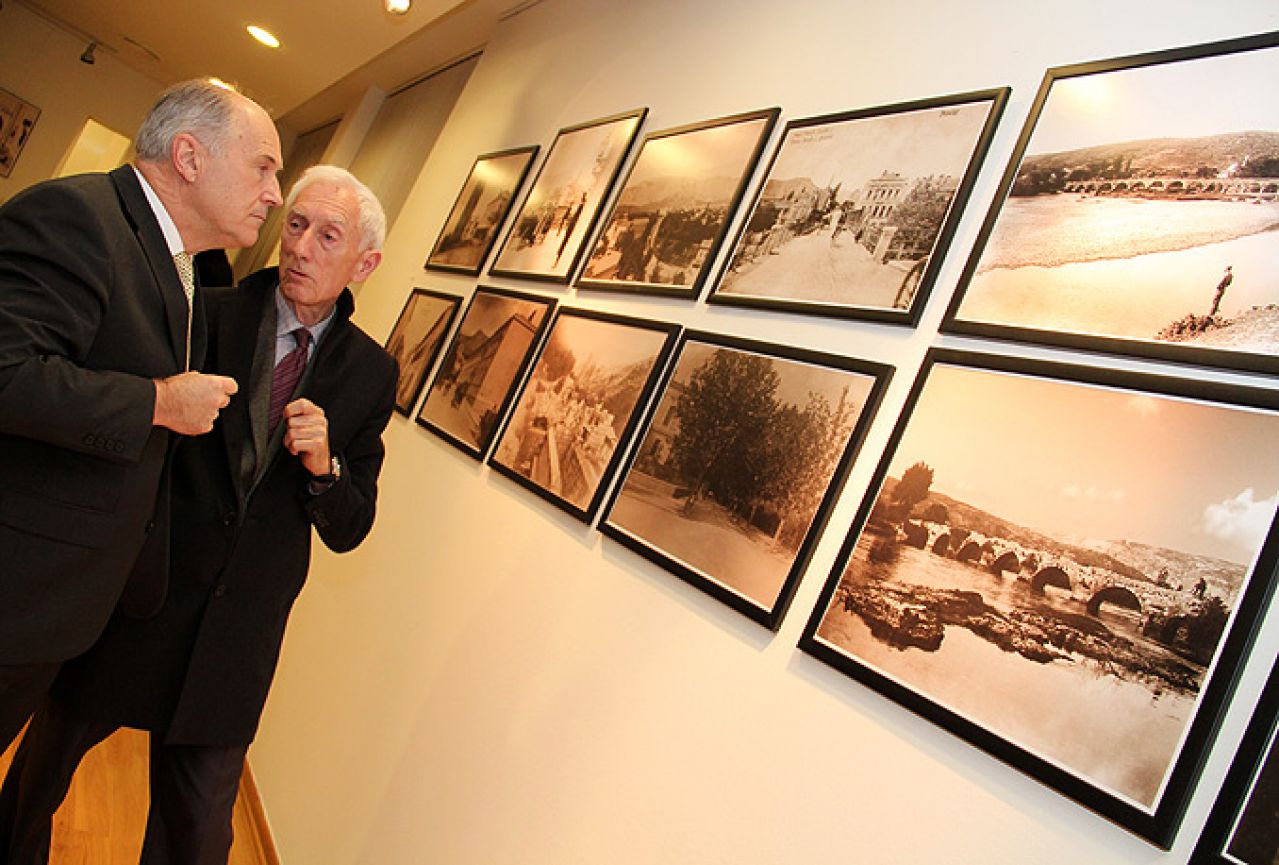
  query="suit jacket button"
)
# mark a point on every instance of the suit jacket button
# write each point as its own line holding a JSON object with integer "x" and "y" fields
{"x": 219, "y": 590}
{"x": 150, "y": 526}
{"x": 228, "y": 519}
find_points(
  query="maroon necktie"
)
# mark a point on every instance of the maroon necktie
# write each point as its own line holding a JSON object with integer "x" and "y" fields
{"x": 284, "y": 380}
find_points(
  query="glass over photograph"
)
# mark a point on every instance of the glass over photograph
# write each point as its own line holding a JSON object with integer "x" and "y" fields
{"x": 855, "y": 207}
{"x": 481, "y": 207}
{"x": 1059, "y": 563}
{"x": 1141, "y": 213}
{"x": 416, "y": 339}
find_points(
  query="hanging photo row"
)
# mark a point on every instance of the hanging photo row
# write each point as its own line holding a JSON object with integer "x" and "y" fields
{"x": 1062, "y": 562}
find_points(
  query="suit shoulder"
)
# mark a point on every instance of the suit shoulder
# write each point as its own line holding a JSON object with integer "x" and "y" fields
{"x": 372, "y": 352}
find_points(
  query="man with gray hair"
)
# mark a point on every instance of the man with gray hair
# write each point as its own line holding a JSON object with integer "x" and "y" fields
{"x": 300, "y": 447}
{"x": 100, "y": 334}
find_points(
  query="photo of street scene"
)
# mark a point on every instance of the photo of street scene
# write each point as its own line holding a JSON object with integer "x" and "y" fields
{"x": 729, "y": 479}
{"x": 477, "y": 215}
{"x": 675, "y": 205}
{"x": 571, "y": 420}
{"x": 484, "y": 362}
{"x": 1146, "y": 208}
{"x": 416, "y": 339}
{"x": 552, "y": 224}
{"x": 853, "y": 208}
{"x": 17, "y": 120}
{"x": 1058, "y": 562}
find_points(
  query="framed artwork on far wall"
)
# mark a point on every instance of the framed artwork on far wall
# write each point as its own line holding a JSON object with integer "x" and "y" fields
{"x": 550, "y": 230}
{"x": 17, "y": 118}
{"x": 1137, "y": 213}
{"x": 1064, "y": 566}
{"x": 484, "y": 364}
{"x": 739, "y": 464}
{"x": 416, "y": 339}
{"x": 1243, "y": 828}
{"x": 857, "y": 210}
{"x": 481, "y": 207}
{"x": 674, "y": 208}
{"x": 579, "y": 406}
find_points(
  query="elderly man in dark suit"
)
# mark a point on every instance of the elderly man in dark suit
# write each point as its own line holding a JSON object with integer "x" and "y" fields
{"x": 245, "y": 498}
{"x": 98, "y": 330}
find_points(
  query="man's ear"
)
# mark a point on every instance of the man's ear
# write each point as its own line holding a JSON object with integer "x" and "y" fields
{"x": 367, "y": 264}
{"x": 187, "y": 156}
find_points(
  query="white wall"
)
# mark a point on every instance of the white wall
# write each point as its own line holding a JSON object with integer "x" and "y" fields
{"x": 41, "y": 64}
{"x": 488, "y": 681}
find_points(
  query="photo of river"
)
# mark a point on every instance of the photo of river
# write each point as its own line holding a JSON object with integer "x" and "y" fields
{"x": 1059, "y": 562}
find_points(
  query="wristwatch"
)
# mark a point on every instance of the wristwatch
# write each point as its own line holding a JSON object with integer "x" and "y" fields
{"x": 320, "y": 483}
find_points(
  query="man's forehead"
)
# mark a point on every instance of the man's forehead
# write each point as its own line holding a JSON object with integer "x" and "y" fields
{"x": 331, "y": 205}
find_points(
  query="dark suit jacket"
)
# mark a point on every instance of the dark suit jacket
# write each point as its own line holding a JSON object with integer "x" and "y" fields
{"x": 91, "y": 310}
{"x": 199, "y": 671}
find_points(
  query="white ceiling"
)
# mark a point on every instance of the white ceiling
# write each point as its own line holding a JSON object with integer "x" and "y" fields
{"x": 330, "y": 49}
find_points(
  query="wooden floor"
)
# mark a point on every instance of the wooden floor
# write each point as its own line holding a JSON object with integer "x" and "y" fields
{"x": 102, "y": 821}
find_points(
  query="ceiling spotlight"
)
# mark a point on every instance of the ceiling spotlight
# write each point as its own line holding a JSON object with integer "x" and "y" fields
{"x": 87, "y": 56}
{"x": 264, "y": 36}
{"x": 397, "y": 7}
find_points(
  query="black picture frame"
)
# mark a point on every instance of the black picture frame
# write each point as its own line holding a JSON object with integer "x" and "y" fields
{"x": 1110, "y": 688}
{"x": 737, "y": 506}
{"x": 1243, "y": 828}
{"x": 1135, "y": 196}
{"x": 416, "y": 339}
{"x": 672, "y": 213}
{"x": 550, "y": 230}
{"x": 481, "y": 208}
{"x": 486, "y": 360}
{"x": 856, "y": 210}
{"x": 572, "y": 423}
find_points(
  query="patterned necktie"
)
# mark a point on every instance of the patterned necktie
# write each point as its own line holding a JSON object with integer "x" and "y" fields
{"x": 186, "y": 273}
{"x": 284, "y": 380}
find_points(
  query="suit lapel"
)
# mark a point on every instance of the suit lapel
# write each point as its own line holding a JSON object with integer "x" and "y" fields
{"x": 238, "y": 350}
{"x": 151, "y": 239}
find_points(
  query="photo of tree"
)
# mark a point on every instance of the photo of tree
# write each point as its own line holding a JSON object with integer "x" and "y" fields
{"x": 481, "y": 207}
{"x": 416, "y": 339}
{"x": 737, "y": 467}
{"x": 1058, "y": 563}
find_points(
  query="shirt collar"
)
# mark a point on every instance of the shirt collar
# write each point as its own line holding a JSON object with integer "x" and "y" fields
{"x": 286, "y": 321}
{"x": 172, "y": 237}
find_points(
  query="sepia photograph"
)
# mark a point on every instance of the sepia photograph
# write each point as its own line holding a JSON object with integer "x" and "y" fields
{"x": 580, "y": 404}
{"x": 1062, "y": 564}
{"x": 675, "y": 206}
{"x": 17, "y": 118}
{"x": 857, "y": 209}
{"x": 1140, "y": 212}
{"x": 481, "y": 208}
{"x": 1243, "y": 828}
{"x": 416, "y": 339}
{"x": 739, "y": 464}
{"x": 482, "y": 367}
{"x": 547, "y": 238}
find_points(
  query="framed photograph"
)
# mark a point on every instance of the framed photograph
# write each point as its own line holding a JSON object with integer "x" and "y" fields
{"x": 1064, "y": 566}
{"x": 739, "y": 465}
{"x": 416, "y": 339}
{"x": 17, "y": 118}
{"x": 857, "y": 210}
{"x": 481, "y": 208}
{"x": 1243, "y": 828}
{"x": 671, "y": 215}
{"x": 1137, "y": 213}
{"x": 488, "y": 357}
{"x": 551, "y": 228}
{"x": 580, "y": 405}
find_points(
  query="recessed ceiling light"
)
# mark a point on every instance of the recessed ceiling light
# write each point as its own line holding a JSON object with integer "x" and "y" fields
{"x": 264, "y": 36}
{"x": 397, "y": 7}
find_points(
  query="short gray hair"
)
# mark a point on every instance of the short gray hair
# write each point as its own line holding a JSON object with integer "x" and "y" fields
{"x": 198, "y": 107}
{"x": 372, "y": 219}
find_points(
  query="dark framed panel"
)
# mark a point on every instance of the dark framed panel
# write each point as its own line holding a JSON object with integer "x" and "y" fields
{"x": 857, "y": 209}
{"x": 1064, "y": 566}
{"x": 480, "y": 209}
{"x": 547, "y": 238}
{"x": 739, "y": 464}
{"x": 669, "y": 219}
{"x": 580, "y": 405}
{"x": 486, "y": 360}
{"x": 416, "y": 339}
{"x": 1243, "y": 828}
{"x": 17, "y": 119}
{"x": 1136, "y": 215}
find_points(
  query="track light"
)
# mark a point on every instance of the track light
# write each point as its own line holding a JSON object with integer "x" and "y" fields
{"x": 87, "y": 56}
